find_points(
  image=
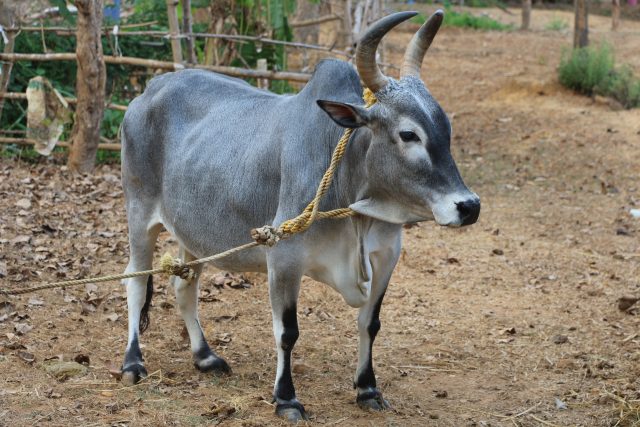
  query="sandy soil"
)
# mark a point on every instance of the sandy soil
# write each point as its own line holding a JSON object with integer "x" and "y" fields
{"x": 511, "y": 317}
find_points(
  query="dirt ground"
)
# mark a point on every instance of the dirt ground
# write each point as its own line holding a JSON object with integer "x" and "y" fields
{"x": 513, "y": 321}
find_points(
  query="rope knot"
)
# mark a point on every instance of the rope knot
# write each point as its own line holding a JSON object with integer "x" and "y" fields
{"x": 175, "y": 267}
{"x": 266, "y": 235}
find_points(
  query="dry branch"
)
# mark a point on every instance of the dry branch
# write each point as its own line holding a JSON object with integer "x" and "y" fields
{"x": 27, "y": 141}
{"x": 165, "y": 35}
{"x": 17, "y": 95}
{"x": 151, "y": 63}
{"x": 315, "y": 21}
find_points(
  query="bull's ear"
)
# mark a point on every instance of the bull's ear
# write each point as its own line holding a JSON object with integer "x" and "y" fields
{"x": 346, "y": 115}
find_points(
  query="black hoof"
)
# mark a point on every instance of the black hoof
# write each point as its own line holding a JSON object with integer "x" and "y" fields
{"x": 214, "y": 364}
{"x": 372, "y": 400}
{"x": 291, "y": 411}
{"x": 132, "y": 374}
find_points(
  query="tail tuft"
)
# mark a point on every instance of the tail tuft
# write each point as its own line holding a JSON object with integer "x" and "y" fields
{"x": 144, "y": 314}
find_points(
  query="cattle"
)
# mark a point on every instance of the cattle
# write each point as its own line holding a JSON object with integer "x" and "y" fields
{"x": 208, "y": 158}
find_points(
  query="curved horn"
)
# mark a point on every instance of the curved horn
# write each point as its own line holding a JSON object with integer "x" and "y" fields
{"x": 366, "y": 51}
{"x": 419, "y": 44}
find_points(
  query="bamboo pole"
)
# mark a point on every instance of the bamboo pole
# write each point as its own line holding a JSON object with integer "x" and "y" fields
{"x": 152, "y": 63}
{"x": 174, "y": 28}
{"x": 65, "y": 144}
{"x": 187, "y": 27}
{"x": 20, "y": 96}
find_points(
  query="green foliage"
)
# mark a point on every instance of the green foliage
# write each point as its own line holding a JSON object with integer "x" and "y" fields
{"x": 556, "y": 24}
{"x": 591, "y": 70}
{"x": 64, "y": 11}
{"x": 465, "y": 19}
{"x": 266, "y": 18}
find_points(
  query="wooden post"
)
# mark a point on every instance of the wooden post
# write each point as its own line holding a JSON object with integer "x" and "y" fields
{"x": 581, "y": 24}
{"x": 526, "y": 15}
{"x": 90, "y": 86}
{"x": 262, "y": 66}
{"x": 187, "y": 27}
{"x": 7, "y": 20}
{"x": 615, "y": 15}
{"x": 6, "y": 68}
{"x": 174, "y": 30}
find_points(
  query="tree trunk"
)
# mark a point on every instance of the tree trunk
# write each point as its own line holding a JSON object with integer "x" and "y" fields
{"x": 615, "y": 15}
{"x": 187, "y": 27}
{"x": 90, "y": 86}
{"x": 581, "y": 25}
{"x": 526, "y": 14}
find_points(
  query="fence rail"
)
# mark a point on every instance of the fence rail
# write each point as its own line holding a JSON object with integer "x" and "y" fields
{"x": 18, "y": 95}
{"x": 165, "y": 65}
{"x": 28, "y": 141}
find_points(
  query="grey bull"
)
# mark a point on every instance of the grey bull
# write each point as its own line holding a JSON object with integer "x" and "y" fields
{"x": 210, "y": 157}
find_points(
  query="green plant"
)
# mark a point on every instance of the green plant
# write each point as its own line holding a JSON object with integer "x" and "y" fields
{"x": 466, "y": 20}
{"x": 591, "y": 70}
{"x": 587, "y": 68}
{"x": 556, "y": 24}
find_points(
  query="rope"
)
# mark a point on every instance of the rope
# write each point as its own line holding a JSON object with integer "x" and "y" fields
{"x": 266, "y": 235}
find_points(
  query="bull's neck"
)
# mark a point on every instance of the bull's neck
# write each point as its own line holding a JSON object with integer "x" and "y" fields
{"x": 351, "y": 177}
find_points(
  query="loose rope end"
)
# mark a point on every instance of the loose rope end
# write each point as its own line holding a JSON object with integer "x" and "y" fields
{"x": 266, "y": 235}
{"x": 369, "y": 97}
{"x": 175, "y": 267}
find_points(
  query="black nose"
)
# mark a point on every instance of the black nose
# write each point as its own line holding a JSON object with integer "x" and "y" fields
{"x": 469, "y": 210}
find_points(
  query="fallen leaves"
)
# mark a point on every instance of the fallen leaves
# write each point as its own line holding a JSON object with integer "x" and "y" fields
{"x": 560, "y": 339}
{"x": 626, "y": 302}
{"x": 62, "y": 370}
{"x": 22, "y": 328}
{"x": 24, "y": 203}
{"x": 25, "y": 356}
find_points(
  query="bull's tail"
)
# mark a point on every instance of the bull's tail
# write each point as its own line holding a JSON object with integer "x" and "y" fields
{"x": 144, "y": 314}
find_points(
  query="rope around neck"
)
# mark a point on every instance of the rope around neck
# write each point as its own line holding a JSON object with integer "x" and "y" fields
{"x": 265, "y": 235}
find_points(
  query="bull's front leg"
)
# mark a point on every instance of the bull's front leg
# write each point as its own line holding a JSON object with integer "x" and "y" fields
{"x": 284, "y": 287}
{"x": 369, "y": 397}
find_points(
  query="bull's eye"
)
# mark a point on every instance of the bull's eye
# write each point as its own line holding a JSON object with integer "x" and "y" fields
{"x": 408, "y": 136}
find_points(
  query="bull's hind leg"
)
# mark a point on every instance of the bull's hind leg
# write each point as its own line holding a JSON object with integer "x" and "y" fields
{"x": 142, "y": 240}
{"x": 204, "y": 359}
{"x": 284, "y": 287}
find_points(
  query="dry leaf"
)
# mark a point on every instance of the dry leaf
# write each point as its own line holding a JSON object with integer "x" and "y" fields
{"x": 26, "y": 356}
{"x": 22, "y": 328}
{"x": 24, "y": 203}
{"x": 36, "y": 302}
{"x": 112, "y": 317}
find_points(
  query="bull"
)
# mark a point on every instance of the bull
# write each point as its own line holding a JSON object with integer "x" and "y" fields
{"x": 208, "y": 157}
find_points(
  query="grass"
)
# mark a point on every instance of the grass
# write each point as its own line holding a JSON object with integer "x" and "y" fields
{"x": 556, "y": 24}
{"x": 591, "y": 71}
{"x": 466, "y": 20}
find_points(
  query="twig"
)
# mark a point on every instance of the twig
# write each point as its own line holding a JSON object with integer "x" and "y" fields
{"x": 337, "y": 421}
{"x": 543, "y": 421}
{"x": 314, "y": 21}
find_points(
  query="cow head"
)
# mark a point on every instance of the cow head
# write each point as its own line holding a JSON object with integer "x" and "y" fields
{"x": 411, "y": 175}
